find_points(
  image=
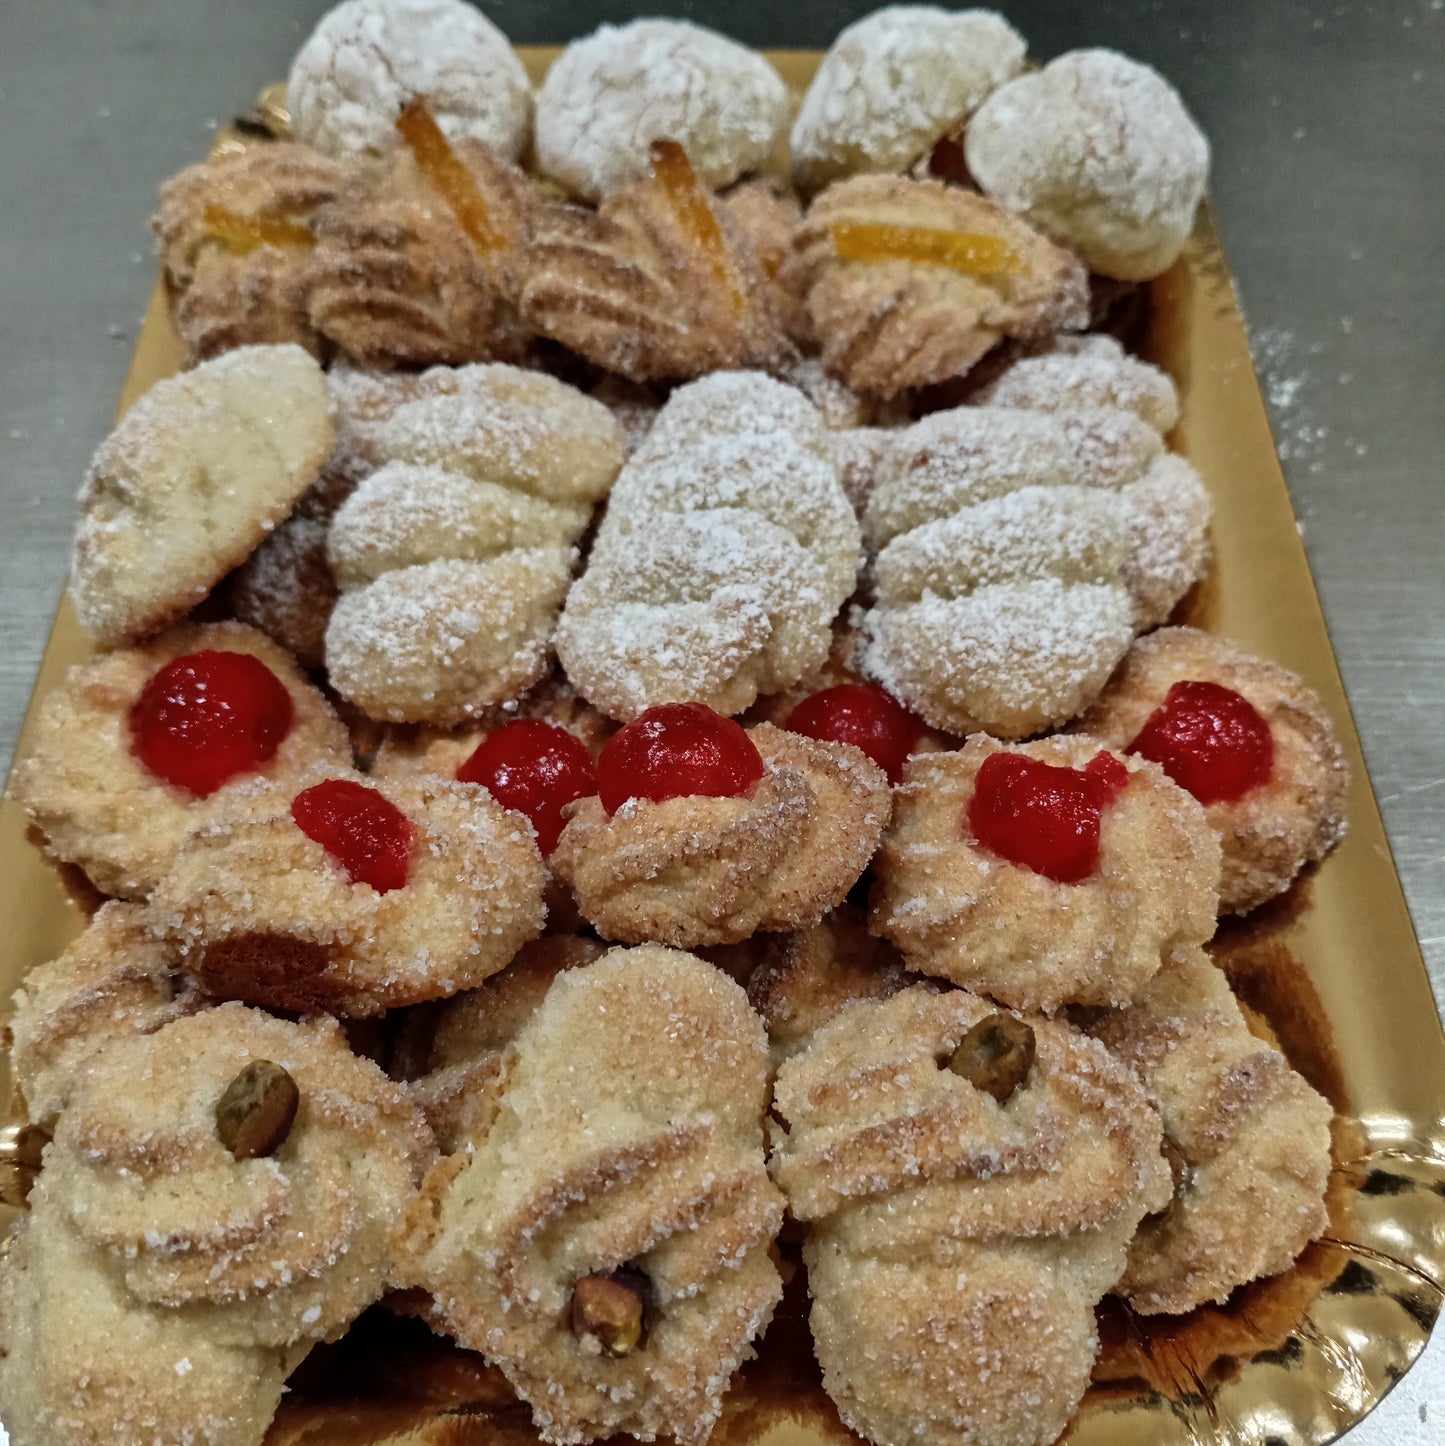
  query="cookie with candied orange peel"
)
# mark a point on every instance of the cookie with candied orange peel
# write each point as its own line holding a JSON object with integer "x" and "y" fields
{"x": 1044, "y": 874}
{"x": 693, "y": 859}
{"x": 1247, "y": 1138}
{"x": 606, "y": 1241}
{"x": 349, "y": 896}
{"x": 1248, "y": 737}
{"x": 208, "y": 705}
{"x": 969, "y": 1181}
{"x": 910, "y": 283}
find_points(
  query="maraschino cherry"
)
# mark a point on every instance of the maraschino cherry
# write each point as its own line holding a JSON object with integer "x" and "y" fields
{"x": 206, "y": 717}
{"x": 1210, "y": 740}
{"x": 534, "y": 768}
{"x": 364, "y": 832}
{"x": 1043, "y": 817}
{"x": 865, "y": 716}
{"x": 677, "y": 750}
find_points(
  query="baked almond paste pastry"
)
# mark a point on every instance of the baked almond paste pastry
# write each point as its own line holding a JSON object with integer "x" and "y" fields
{"x": 1020, "y": 550}
{"x": 1248, "y": 1139}
{"x": 1098, "y": 152}
{"x": 606, "y": 1241}
{"x": 133, "y": 747}
{"x": 452, "y": 1052}
{"x": 236, "y": 240}
{"x": 350, "y": 897}
{"x": 970, "y": 1182}
{"x": 454, "y": 557}
{"x": 114, "y": 980}
{"x": 894, "y": 84}
{"x": 910, "y": 282}
{"x": 702, "y": 833}
{"x": 1043, "y": 874}
{"x": 614, "y": 92}
{"x": 194, "y": 475}
{"x": 218, "y": 1198}
{"x": 727, "y": 549}
{"x": 1247, "y": 738}
{"x": 366, "y": 59}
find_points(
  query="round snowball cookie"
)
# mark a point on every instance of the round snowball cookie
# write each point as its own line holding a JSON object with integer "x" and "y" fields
{"x": 894, "y": 84}
{"x": 610, "y": 95}
{"x": 366, "y": 59}
{"x": 1099, "y": 153}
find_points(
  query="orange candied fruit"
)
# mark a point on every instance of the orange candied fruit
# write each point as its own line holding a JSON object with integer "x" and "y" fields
{"x": 439, "y": 163}
{"x": 973, "y": 253}
{"x": 689, "y": 199}
{"x": 245, "y": 233}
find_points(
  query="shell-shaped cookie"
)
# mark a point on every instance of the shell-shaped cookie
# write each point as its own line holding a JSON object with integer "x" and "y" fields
{"x": 199, "y": 470}
{"x": 895, "y": 83}
{"x": 1273, "y": 830}
{"x": 966, "y": 914}
{"x": 892, "y": 322}
{"x": 627, "y": 1149}
{"x": 112, "y": 981}
{"x": 99, "y": 807}
{"x": 1250, "y": 1138}
{"x": 696, "y": 870}
{"x": 959, "y": 1240}
{"x": 258, "y": 910}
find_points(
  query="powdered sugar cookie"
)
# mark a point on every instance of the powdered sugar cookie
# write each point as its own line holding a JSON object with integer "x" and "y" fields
{"x": 610, "y": 95}
{"x": 196, "y": 473}
{"x": 1098, "y": 152}
{"x": 895, "y": 83}
{"x": 133, "y": 747}
{"x": 367, "y": 58}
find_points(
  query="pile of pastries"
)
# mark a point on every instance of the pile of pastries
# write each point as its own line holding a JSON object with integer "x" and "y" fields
{"x": 634, "y": 732}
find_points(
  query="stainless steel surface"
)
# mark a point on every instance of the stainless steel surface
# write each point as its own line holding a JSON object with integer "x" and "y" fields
{"x": 1328, "y": 124}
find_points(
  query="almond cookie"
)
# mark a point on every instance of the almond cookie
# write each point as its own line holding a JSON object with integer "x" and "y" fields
{"x": 219, "y": 1197}
{"x": 1046, "y": 874}
{"x": 673, "y": 850}
{"x": 911, "y": 282}
{"x": 606, "y": 1242}
{"x": 613, "y": 93}
{"x": 1247, "y": 1138}
{"x": 348, "y": 897}
{"x": 1247, "y": 738}
{"x": 970, "y": 1182}
{"x": 727, "y": 550}
{"x": 134, "y": 746}
{"x": 454, "y": 557}
{"x": 114, "y": 980}
{"x": 367, "y": 58}
{"x": 196, "y": 473}
{"x": 1097, "y": 151}
{"x": 894, "y": 84}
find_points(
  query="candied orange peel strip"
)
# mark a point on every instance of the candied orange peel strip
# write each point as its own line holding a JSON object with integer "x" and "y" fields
{"x": 439, "y": 163}
{"x": 674, "y": 173}
{"x": 245, "y": 233}
{"x": 973, "y": 253}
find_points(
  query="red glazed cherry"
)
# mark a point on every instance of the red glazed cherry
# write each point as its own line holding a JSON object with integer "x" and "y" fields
{"x": 1209, "y": 740}
{"x": 1042, "y": 817}
{"x": 368, "y": 835}
{"x": 674, "y": 751}
{"x": 866, "y": 717}
{"x": 533, "y": 768}
{"x": 206, "y": 717}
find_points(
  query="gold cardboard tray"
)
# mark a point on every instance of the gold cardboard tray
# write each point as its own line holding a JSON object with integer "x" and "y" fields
{"x": 1333, "y": 968}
